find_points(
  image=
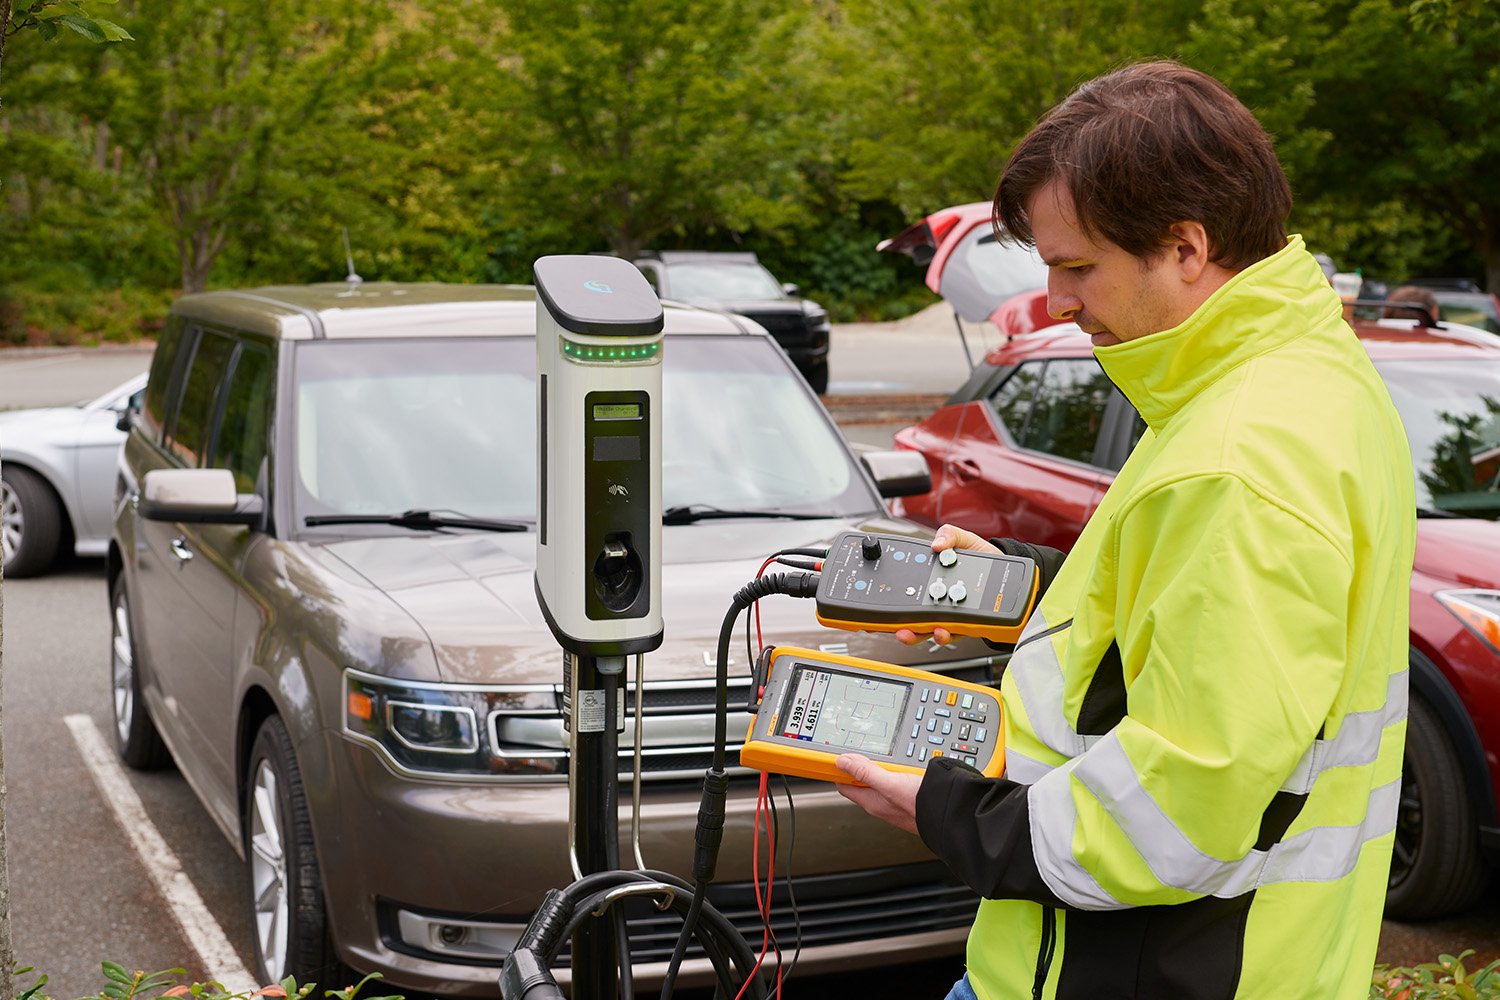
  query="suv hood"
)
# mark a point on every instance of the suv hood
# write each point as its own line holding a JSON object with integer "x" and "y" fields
{"x": 473, "y": 598}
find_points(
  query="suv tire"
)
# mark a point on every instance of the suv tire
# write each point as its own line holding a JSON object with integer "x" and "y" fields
{"x": 136, "y": 740}
{"x": 287, "y": 910}
{"x": 31, "y": 518}
{"x": 817, "y": 376}
{"x": 1436, "y": 868}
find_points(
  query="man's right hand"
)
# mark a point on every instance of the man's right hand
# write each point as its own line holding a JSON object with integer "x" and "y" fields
{"x": 949, "y": 536}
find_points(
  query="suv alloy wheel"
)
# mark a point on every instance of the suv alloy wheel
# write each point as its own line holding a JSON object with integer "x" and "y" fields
{"x": 136, "y": 738}
{"x": 286, "y": 887}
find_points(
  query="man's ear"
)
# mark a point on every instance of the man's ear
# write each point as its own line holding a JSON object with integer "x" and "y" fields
{"x": 1189, "y": 249}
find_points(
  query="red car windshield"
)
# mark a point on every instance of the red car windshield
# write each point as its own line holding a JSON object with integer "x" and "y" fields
{"x": 1451, "y": 410}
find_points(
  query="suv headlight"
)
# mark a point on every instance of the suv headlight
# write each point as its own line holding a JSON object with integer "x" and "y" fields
{"x": 1479, "y": 610}
{"x": 455, "y": 730}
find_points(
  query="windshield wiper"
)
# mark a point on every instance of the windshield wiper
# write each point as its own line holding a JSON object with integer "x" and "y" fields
{"x": 690, "y": 513}
{"x": 430, "y": 519}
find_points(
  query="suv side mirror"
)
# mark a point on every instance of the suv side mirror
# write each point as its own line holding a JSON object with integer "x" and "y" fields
{"x": 898, "y": 473}
{"x": 791, "y": 289}
{"x": 197, "y": 496}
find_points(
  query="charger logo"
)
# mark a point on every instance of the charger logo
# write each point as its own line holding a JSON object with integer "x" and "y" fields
{"x": 598, "y": 286}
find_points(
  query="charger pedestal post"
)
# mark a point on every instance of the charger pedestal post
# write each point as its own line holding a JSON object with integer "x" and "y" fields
{"x": 598, "y": 576}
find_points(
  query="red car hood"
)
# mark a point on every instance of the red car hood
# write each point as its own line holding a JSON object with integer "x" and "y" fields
{"x": 1465, "y": 551}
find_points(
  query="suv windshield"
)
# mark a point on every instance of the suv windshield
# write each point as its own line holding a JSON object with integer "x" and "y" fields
{"x": 1451, "y": 410}
{"x": 382, "y": 427}
{"x": 721, "y": 281}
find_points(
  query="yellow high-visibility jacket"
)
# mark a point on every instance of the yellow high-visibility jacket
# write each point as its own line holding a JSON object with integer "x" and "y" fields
{"x": 1205, "y": 714}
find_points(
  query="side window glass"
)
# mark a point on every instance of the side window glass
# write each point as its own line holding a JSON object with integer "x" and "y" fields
{"x": 1012, "y": 401}
{"x": 1068, "y": 410}
{"x": 651, "y": 277}
{"x": 244, "y": 430}
{"x": 189, "y": 432}
{"x": 163, "y": 362}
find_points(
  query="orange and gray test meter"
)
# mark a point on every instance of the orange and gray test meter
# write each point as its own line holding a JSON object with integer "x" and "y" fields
{"x": 819, "y": 705}
{"x": 881, "y": 583}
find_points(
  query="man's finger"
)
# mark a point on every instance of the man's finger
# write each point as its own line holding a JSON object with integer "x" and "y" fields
{"x": 857, "y": 766}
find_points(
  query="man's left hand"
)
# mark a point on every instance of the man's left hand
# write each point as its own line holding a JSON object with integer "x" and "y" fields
{"x": 889, "y": 795}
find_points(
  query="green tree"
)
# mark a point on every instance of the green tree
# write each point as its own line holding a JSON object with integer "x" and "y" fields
{"x": 626, "y": 122}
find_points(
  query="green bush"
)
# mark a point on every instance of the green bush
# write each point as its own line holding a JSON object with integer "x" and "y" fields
{"x": 41, "y": 314}
{"x": 121, "y": 984}
{"x": 1444, "y": 978}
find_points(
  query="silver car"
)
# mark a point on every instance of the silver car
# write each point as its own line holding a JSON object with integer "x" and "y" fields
{"x": 57, "y": 478}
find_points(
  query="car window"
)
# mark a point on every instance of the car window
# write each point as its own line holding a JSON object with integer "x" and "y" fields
{"x": 1011, "y": 401}
{"x": 241, "y": 442}
{"x": 163, "y": 362}
{"x": 385, "y": 426}
{"x": 721, "y": 281}
{"x": 984, "y": 271}
{"x": 1451, "y": 411}
{"x": 188, "y": 433}
{"x": 1055, "y": 407}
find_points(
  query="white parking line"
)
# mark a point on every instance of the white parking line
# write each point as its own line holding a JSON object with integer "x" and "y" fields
{"x": 218, "y": 956}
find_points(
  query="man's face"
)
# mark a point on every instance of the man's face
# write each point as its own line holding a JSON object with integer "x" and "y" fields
{"x": 1111, "y": 294}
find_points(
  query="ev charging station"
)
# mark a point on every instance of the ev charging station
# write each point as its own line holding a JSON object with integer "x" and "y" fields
{"x": 598, "y": 567}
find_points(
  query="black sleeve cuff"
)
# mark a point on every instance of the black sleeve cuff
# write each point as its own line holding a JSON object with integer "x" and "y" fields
{"x": 1048, "y": 560}
{"x": 980, "y": 827}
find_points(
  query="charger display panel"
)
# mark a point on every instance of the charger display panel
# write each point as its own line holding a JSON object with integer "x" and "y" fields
{"x": 819, "y": 705}
{"x": 881, "y": 583}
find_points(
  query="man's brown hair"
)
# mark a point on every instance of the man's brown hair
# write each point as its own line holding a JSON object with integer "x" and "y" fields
{"x": 1148, "y": 146}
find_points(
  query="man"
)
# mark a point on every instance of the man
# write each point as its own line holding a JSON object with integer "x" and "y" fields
{"x": 1205, "y": 715}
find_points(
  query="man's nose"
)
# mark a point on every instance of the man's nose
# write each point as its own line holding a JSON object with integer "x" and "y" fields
{"x": 1061, "y": 304}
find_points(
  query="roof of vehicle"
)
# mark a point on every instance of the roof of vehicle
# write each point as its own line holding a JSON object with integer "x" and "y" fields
{"x": 1385, "y": 339}
{"x": 335, "y": 310}
{"x": 701, "y": 256}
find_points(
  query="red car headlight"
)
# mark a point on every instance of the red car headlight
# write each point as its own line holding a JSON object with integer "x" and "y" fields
{"x": 1479, "y": 610}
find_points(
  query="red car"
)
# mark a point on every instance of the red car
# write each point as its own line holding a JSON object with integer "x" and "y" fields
{"x": 1027, "y": 447}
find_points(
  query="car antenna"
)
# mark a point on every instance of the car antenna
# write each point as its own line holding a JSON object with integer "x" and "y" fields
{"x": 352, "y": 280}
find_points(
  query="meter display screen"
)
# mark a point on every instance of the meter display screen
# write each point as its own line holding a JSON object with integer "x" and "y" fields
{"x": 617, "y": 411}
{"x": 848, "y": 711}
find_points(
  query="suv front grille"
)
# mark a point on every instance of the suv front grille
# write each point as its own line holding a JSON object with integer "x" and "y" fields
{"x": 678, "y": 726}
{"x": 832, "y": 909}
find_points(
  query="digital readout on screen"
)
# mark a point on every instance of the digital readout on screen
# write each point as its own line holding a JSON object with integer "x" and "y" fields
{"x": 617, "y": 411}
{"x": 846, "y": 711}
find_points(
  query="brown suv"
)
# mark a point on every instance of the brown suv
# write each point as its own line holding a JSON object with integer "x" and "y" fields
{"x": 321, "y": 585}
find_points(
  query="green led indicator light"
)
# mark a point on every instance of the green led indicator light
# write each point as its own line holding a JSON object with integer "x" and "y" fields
{"x": 584, "y": 352}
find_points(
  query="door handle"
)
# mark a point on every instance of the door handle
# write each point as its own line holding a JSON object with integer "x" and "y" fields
{"x": 965, "y": 469}
{"x": 180, "y": 549}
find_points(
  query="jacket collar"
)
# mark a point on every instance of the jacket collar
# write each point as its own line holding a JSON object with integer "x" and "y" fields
{"x": 1270, "y": 303}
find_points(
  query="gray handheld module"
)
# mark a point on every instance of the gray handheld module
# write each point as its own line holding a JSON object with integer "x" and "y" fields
{"x": 881, "y": 583}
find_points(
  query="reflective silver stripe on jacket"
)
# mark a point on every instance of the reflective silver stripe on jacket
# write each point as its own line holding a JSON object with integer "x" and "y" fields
{"x": 1320, "y": 854}
{"x": 1022, "y": 769}
{"x": 1039, "y": 681}
{"x": 1358, "y": 741}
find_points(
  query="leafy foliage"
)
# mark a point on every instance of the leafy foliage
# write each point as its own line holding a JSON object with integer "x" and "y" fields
{"x": 232, "y": 140}
{"x": 123, "y": 984}
{"x": 1445, "y": 978}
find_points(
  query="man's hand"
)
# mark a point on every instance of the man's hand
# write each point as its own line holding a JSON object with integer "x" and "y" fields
{"x": 949, "y": 536}
{"x": 890, "y": 796}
